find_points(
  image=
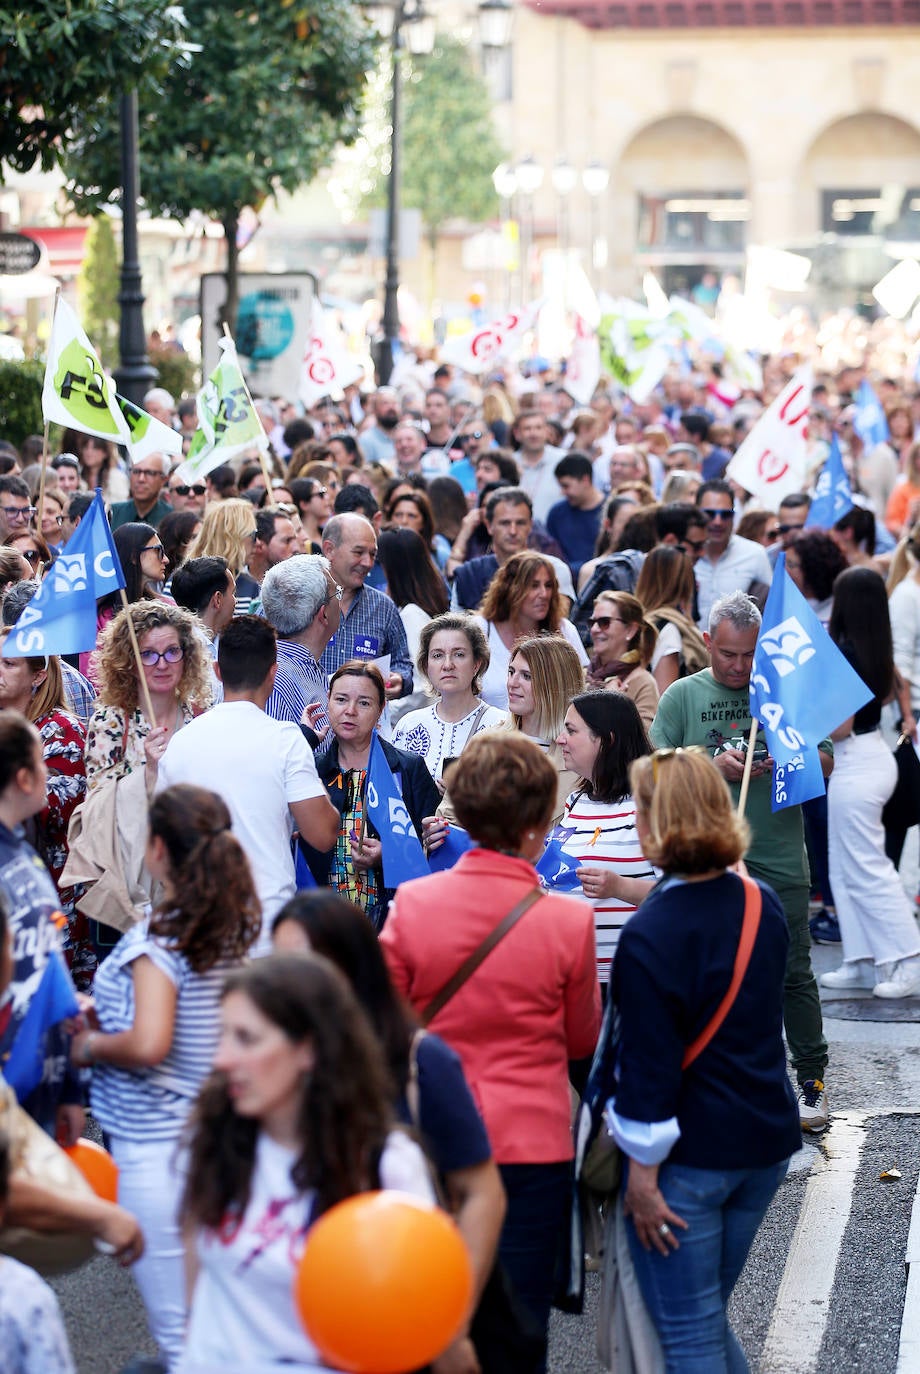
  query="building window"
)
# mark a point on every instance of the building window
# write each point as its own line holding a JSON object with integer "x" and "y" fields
{"x": 694, "y": 221}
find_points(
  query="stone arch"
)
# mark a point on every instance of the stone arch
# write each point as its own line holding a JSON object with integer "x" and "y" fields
{"x": 869, "y": 150}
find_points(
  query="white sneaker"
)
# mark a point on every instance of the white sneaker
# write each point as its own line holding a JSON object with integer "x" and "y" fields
{"x": 904, "y": 980}
{"x": 860, "y": 973}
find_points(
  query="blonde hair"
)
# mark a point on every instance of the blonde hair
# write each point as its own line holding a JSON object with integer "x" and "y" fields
{"x": 510, "y": 585}
{"x": 687, "y": 807}
{"x": 556, "y": 677}
{"x": 642, "y": 646}
{"x": 226, "y": 530}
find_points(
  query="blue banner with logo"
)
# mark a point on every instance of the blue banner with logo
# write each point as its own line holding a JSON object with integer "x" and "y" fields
{"x": 401, "y": 849}
{"x": 833, "y": 493}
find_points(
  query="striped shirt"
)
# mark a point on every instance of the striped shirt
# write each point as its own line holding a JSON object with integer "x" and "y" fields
{"x": 603, "y": 835}
{"x": 152, "y": 1104}
{"x": 299, "y": 681}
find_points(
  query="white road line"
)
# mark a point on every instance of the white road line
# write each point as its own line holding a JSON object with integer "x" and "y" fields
{"x": 803, "y": 1302}
{"x": 909, "y": 1342}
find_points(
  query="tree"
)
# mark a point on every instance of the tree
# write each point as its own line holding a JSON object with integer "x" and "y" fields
{"x": 276, "y": 85}
{"x": 97, "y": 289}
{"x": 59, "y": 59}
{"x": 448, "y": 144}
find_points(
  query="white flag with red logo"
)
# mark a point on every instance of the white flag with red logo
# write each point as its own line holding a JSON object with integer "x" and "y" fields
{"x": 327, "y": 367}
{"x": 772, "y": 462}
{"x": 482, "y": 348}
{"x": 583, "y": 367}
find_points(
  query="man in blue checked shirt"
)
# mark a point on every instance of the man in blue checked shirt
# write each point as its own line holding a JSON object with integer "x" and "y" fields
{"x": 301, "y": 599}
{"x": 371, "y": 626}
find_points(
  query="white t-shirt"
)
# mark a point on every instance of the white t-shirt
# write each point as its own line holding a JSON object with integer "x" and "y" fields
{"x": 259, "y": 766}
{"x": 243, "y": 1310}
{"x": 495, "y": 682}
{"x": 668, "y": 642}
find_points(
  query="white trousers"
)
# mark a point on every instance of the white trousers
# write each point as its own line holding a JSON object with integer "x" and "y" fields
{"x": 150, "y": 1183}
{"x": 876, "y": 920}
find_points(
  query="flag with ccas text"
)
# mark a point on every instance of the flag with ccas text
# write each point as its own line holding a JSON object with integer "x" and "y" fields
{"x": 401, "y": 851}
{"x": 801, "y": 688}
{"x": 76, "y": 392}
{"x": 61, "y": 617}
{"x": 327, "y": 367}
{"x": 228, "y": 424}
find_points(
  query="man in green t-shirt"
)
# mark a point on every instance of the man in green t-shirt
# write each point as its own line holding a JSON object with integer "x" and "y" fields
{"x": 712, "y": 708}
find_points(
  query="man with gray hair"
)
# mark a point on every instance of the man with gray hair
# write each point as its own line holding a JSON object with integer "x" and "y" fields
{"x": 371, "y": 627}
{"x": 712, "y": 708}
{"x": 147, "y": 479}
{"x": 301, "y": 600}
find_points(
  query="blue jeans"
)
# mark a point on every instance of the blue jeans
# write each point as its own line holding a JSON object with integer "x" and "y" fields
{"x": 687, "y": 1291}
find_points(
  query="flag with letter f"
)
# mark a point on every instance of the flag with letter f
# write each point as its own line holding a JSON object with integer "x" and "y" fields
{"x": 801, "y": 689}
{"x": 400, "y": 847}
{"x": 61, "y": 617}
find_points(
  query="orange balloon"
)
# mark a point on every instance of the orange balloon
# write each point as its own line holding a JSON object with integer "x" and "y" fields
{"x": 384, "y": 1284}
{"x": 97, "y": 1166}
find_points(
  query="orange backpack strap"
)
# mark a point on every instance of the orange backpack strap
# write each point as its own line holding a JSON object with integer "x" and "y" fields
{"x": 753, "y": 906}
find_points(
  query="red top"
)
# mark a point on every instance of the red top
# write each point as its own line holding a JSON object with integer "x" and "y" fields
{"x": 531, "y": 1006}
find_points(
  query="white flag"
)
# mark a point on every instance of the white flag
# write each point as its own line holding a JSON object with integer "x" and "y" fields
{"x": 76, "y": 392}
{"x": 148, "y": 435}
{"x": 772, "y": 462}
{"x": 228, "y": 423}
{"x": 583, "y": 367}
{"x": 480, "y": 349}
{"x": 327, "y": 367}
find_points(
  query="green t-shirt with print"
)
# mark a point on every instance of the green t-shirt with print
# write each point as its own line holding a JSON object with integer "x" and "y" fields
{"x": 699, "y": 710}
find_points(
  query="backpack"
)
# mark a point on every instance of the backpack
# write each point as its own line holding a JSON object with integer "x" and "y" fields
{"x": 618, "y": 572}
{"x": 694, "y": 655}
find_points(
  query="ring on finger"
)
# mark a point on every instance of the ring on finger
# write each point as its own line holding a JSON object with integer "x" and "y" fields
{"x": 664, "y": 1229}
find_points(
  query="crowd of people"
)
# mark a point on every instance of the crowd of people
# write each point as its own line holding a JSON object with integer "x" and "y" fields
{"x": 540, "y": 619}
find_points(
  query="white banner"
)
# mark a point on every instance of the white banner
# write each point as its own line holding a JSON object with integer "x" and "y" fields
{"x": 772, "y": 462}
{"x": 480, "y": 349}
{"x": 327, "y": 367}
{"x": 583, "y": 369}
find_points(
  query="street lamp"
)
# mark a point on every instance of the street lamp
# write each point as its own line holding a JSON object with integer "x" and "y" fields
{"x": 134, "y": 376}
{"x": 596, "y": 178}
{"x": 495, "y": 17}
{"x": 389, "y": 20}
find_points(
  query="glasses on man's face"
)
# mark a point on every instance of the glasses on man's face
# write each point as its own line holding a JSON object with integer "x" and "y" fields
{"x": 157, "y": 549}
{"x": 188, "y": 491}
{"x": 174, "y": 654}
{"x": 786, "y": 529}
{"x": 712, "y": 514}
{"x": 17, "y": 513}
{"x": 337, "y": 592}
{"x": 146, "y": 473}
{"x": 53, "y": 520}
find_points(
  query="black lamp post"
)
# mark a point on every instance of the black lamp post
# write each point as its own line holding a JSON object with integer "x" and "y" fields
{"x": 134, "y": 375}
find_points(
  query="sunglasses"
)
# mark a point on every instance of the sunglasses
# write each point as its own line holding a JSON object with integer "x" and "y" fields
{"x": 174, "y": 654}
{"x": 475, "y": 434}
{"x": 787, "y": 529}
{"x": 187, "y": 491}
{"x": 53, "y": 520}
{"x": 711, "y": 514}
{"x": 155, "y": 548}
{"x": 605, "y": 621}
{"x": 31, "y": 556}
{"x": 661, "y": 756}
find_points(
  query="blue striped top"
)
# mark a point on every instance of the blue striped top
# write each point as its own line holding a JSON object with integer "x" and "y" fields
{"x": 152, "y": 1104}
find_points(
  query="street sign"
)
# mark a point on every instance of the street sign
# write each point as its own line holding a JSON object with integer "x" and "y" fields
{"x": 18, "y": 253}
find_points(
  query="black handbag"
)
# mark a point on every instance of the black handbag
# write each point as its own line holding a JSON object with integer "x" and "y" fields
{"x": 902, "y": 810}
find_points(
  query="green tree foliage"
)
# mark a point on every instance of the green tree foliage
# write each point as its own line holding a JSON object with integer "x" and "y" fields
{"x": 20, "y": 400}
{"x": 276, "y": 85}
{"x": 59, "y": 58}
{"x": 97, "y": 289}
{"x": 448, "y": 143}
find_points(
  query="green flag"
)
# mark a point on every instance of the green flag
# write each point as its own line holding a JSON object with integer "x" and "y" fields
{"x": 227, "y": 421}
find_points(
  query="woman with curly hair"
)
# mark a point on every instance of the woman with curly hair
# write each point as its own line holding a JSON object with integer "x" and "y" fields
{"x": 177, "y": 670}
{"x": 143, "y": 562}
{"x": 295, "y": 1118}
{"x": 228, "y": 530}
{"x": 814, "y": 562}
{"x": 155, "y": 1027}
{"x": 523, "y": 599}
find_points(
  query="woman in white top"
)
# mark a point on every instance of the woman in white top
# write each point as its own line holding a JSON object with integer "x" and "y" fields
{"x": 419, "y": 592}
{"x": 453, "y": 655}
{"x": 522, "y": 600}
{"x": 155, "y": 1018}
{"x": 294, "y": 1119}
{"x": 601, "y": 737}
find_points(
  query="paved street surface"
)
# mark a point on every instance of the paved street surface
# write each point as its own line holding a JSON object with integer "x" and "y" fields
{"x": 824, "y": 1289}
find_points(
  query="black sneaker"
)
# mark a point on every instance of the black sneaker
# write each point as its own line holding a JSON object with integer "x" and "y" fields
{"x": 825, "y": 929}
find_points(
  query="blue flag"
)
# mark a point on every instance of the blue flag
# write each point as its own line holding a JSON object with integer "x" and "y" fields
{"x": 556, "y": 870}
{"x": 798, "y": 780}
{"x": 446, "y": 855}
{"x": 52, "y": 1002}
{"x": 833, "y": 494}
{"x": 61, "y": 617}
{"x": 869, "y": 422}
{"x": 802, "y": 687}
{"x": 400, "y": 847}
{"x": 302, "y": 876}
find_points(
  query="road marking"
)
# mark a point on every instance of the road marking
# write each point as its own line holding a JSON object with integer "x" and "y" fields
{"x": 909, "y": 1340}
{"x": 803, "y": 1302}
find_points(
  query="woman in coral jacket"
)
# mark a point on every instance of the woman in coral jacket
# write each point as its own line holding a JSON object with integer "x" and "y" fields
{"x": 532, "y": 1004}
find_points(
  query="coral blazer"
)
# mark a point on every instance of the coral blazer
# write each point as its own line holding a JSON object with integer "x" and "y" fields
{"x": 533, "y": 1004}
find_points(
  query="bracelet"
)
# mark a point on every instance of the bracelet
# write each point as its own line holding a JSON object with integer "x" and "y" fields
{"x": 89, "y": 1056}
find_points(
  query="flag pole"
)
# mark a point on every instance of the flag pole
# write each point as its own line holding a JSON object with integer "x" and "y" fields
{"x": 47, "y": 432}
{"x": 263, "y": 461}
{"x": 748, "y": 765}
{"x": 142, "y": 680}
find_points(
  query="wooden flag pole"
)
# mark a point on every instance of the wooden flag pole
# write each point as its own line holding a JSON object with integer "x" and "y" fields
{"x": 263, "y": 461}
{"x": 142, "y": 680}
{"x": 41, "y": 479}
{"x": 748, "y": 765}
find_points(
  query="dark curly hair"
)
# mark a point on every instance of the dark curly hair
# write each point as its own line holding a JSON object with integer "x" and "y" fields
{"x": 345, "y": 1113}
{"x": 822, "y": 562}
{"x": 212, "y": 912}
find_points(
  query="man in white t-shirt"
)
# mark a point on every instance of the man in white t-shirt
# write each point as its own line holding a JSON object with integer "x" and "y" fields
{"x": 729, "y": 563}
{"x": 263, "y": 768}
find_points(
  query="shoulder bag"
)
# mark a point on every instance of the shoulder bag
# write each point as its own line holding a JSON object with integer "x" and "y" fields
{"x": 478, "y": 956}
